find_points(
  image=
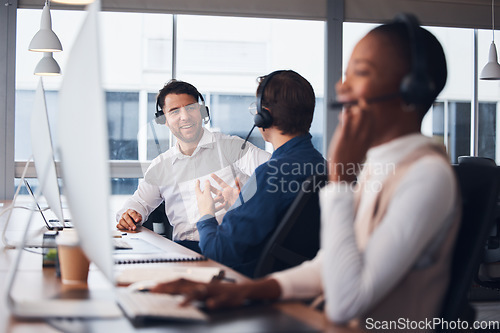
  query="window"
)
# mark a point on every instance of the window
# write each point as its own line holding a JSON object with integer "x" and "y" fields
{"x": 449, "y": 120}
{"x": 225, "y": 57}
{"x": 221, "y": 56}
{"x": 24, "y": 103}
{"x": 159, "y": 55}
{"x": 123, "y": 124}
{"x": 487, "y": 130}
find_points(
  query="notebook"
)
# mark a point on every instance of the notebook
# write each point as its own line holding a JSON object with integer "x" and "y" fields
{"x": 51, "y": 224}
{"x": 143, "y": 252}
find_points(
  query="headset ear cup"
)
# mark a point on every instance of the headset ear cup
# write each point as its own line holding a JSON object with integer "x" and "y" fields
{"x": 417, "y": 89}
{"x": 263, "y": 119}
{"x": 160, "y": 118}
{"x": 205, "y": 113}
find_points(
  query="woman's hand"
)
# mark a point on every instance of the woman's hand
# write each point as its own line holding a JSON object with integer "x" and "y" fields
{"x": 217, "y": 294}
{"x": 350, "y": 142}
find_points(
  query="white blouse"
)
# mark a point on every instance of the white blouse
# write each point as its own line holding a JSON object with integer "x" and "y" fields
{"x": 421, "y": 211}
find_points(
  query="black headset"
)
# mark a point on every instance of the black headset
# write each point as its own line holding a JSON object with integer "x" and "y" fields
{"x": 416, "y": 87}
{"x": 160, "y": 115}
{"x": 263, "y": 118}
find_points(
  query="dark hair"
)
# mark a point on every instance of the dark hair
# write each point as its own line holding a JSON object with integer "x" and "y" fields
{"x": 434, "y": 57}
{"x": 290, "y": 99}
{"x": 176, "y": 87}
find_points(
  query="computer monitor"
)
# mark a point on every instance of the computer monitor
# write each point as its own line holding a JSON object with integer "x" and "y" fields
{"x": 83, "y": 151}
{"x": 43, "y": 153}
{"x": 83, "y": 145}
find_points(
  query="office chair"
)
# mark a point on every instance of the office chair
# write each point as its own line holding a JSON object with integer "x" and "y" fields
{"x": 296, "y": 239}
{"x": 158, "y": 216}
{"x": 479, "y": 185}
{"x": 491, "y": 250}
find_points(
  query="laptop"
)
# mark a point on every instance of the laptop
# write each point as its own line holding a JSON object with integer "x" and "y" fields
{"x": 51, "y": 224}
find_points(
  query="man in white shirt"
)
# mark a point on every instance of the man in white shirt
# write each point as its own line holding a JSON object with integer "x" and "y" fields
{"x": 198, "y": 155}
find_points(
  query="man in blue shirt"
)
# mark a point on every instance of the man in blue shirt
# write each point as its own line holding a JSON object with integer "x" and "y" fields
{"x": 289, "y": 100}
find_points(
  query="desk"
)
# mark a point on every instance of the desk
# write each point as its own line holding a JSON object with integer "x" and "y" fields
{"x": 34, "y": 282}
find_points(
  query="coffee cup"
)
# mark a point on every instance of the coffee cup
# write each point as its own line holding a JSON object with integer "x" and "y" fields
{"x": 73, "y": 263}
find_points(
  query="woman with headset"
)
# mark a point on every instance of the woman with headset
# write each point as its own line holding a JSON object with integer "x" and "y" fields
{"x": 387, "y": 234}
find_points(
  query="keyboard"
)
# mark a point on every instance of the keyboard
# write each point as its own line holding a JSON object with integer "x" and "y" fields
{"x": 165, "y": 273}
{"x": 143, "y": 305}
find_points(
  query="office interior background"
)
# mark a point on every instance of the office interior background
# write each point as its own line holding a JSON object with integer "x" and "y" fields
{"x": 223, "y": 56}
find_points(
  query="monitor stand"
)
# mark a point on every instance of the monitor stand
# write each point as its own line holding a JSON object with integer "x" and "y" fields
{"x": 64, "y": 306}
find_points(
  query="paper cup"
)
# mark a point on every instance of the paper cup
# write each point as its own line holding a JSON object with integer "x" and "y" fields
{"x": 73, "y": 263}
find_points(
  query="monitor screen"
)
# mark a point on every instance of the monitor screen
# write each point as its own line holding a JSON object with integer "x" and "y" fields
{"x": 43, "y": 153}
{"x": 83, "y": 145}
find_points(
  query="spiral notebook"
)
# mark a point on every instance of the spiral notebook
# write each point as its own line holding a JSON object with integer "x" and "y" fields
{"x": 142, "y": 251}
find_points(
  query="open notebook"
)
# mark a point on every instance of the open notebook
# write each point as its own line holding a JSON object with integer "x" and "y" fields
{"x": 143, "y": 252}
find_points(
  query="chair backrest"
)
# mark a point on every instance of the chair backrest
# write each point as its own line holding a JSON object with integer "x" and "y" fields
{"x": 479, "y": 185}
{"x": 296, "y": 239}
{"x": 158, "y": 216}
{"x": 491, "y": 250}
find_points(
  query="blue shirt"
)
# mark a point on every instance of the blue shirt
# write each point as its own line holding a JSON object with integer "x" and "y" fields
{"x": 238, "y": 241}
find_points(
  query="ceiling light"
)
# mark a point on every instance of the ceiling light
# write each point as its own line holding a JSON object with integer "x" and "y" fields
{"x": 45, "y": 40}
{"x": 47, "y": 66}
{"x": 491, "y": 70}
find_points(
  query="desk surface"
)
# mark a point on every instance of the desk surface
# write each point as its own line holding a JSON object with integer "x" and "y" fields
{"x": 33, "y": 282}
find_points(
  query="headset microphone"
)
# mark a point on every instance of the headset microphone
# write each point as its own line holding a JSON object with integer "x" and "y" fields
{"x": 263, "y": 118}
{"x": 377, "y": 99}
{"x": 245, "y": 143}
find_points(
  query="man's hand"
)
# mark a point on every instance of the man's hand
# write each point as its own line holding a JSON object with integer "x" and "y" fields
{"x": 129, "y": 220}
{"x": 228, "y": 195}
{"x": 350, "y": 142}
{"x": 206, "y": 204}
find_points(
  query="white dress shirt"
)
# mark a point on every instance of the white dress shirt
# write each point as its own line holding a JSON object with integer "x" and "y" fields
{"x": 172, "y": 175}
{"x": 420, "y": 213}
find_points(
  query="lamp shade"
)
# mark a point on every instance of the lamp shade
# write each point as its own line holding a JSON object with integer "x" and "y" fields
{"x": 47, "y": 66}
{"x": 491, "y": 70}
{"x": 45, "y": 40}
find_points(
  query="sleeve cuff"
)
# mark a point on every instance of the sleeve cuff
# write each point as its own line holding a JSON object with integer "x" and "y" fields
{"x": 335, "y": 191}
{"x": 285, "y": 284}
{"x": 205, "y": 218}
{"x": 301, "y": 282}
{"x": 206, "y": 223}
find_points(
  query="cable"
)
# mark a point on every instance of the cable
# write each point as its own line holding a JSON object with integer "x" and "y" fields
{"x": 32, "y": 251}
{"x": 493, "y": 18}
{"x": 12, "y": 205}
{"x": 22, "y": 207}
